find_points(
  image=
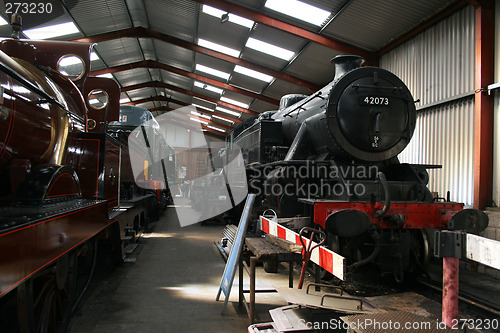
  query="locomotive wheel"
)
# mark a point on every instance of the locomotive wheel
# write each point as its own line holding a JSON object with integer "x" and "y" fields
{"x": 420, "y": 249}
{"x": 45, "y": 300}
{"x": 86, "y": 261}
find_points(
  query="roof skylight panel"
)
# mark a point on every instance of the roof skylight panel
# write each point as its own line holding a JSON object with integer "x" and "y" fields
{"x": 202, "y": 107}
{"x": 106, "y": 75}
{"x": 218, "y": 47}
{"x": 230, "y": 112}
{"x": 195, "y": 113}
{"x": 199, "y": 121}
{"x": 299, "y": 10}
{"x": 234, "y": 102}
{"x": 223, "y": 119}
{"x": 212, "y": 71}
{"x": 252, "y": 73}
{"x": 216, "y": 128}
{"x": 52, "y": 31}
{"x": 232, "y": 17}
{"x": 94, "y": 56}
{"x": 208, "y": 87}
{"x": 270, "y": 49}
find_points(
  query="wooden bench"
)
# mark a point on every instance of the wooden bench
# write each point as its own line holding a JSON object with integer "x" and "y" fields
{"x": 265, "y": 250}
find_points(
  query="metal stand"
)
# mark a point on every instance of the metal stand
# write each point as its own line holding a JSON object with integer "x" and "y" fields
{"x": 263, "y": 251}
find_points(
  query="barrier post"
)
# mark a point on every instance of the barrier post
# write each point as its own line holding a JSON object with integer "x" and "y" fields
{"x": 449, "y": 247}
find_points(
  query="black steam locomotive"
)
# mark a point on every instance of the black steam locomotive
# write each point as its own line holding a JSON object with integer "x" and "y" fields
{"x": 330, "y": 160}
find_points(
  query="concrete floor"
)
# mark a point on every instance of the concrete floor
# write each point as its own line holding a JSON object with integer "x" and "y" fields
{"x": 172, "y": 287}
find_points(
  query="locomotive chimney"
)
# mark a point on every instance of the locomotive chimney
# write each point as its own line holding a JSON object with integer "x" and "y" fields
{"x": 346, "y": 62}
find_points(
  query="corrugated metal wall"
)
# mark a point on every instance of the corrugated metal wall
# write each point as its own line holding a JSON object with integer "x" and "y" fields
{"x": 445, "y": 136}
{"x": 438, "y": 65}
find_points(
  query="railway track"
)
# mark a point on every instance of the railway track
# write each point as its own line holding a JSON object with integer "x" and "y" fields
{"x": 465, "y": 297}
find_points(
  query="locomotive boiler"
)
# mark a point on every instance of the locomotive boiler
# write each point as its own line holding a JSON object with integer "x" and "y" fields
{"x": 61, "y": 182}
{"x": 330, "y": 160}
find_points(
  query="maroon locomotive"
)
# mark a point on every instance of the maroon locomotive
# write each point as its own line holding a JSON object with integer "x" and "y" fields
{"x": 61, "y": 181}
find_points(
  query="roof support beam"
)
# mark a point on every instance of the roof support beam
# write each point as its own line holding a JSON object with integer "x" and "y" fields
{"x": 140, "y": 32}
{"x": 483, "y": 141}
{"x": 158, "y": 65}
{"x": 290, "y": 28}
{"x": 157, "y": 84}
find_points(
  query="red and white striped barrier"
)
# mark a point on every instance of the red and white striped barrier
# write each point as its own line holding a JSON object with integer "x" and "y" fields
{"x": 325, "y": 258}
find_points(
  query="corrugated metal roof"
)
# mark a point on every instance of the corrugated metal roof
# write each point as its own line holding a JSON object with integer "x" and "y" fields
{"x": 180, "y": 97}
{"x": 137, "y": 11}
{"x": 275, "y": 37}
{"x": 133, "y": 76}
{"x": 119, "y": 51}
{"x": 373, "y": 28}
{"x": 238, "y": 97}
{"x": 261, "y": 106}
{"x": 147, "y": 48}
{"x": 215, "y": 63}
{"x": 155, "y": 74}
{"x": 95, "y": 17}
{"x": 278, "y": 37}
{"x": 174, "y": 17}
{"x": 142, "y": 93}
{"x": 227, "y": 34}
{"x": 97, "y": 64}
{"x": 176, "y": 80}
{"x": 314, "y": 64}
{"x": 263, "y": 59}
{"x": 247, "y": 82}
{"x": 147, "y": 105}
{"x": 174, "y": 56}
{"x": 279, "y": 88}
{"x": 362, "y": 23}
{"x": 253, "y": 4}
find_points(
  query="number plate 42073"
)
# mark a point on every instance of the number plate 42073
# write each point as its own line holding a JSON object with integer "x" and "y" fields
{"x": 374, "y": 100}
